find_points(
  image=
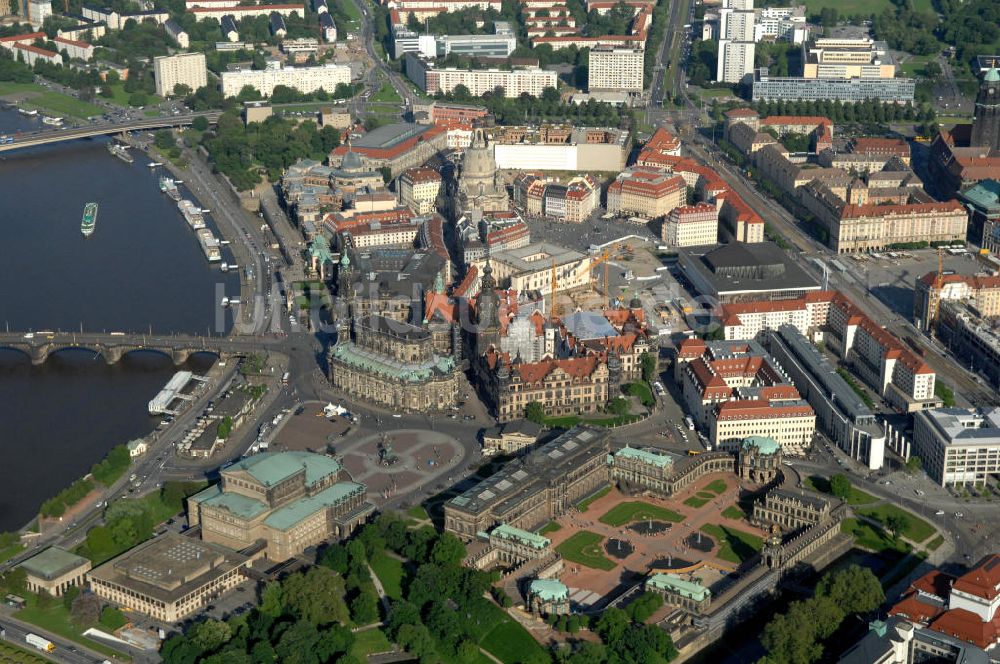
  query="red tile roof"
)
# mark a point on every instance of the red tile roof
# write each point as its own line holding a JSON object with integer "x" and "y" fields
{"x": 577, "y": 367}
{"x": 35, "y": 49}
{"x": 872, "y": 210}
{"x": 72, "y": 42}
{"x": 752, "y": 409}
{"x": 983, "y": 580}
{"x": 30, "y": 36}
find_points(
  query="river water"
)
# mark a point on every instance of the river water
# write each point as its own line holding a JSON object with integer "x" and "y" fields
{"x": 141, "y": 270}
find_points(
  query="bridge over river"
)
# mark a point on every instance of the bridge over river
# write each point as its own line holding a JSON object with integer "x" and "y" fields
{"x": 43, "y": 137}
{"x": 112, "y": 346}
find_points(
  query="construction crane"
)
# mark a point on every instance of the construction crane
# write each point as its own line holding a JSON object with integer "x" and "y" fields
{"x": 938, "y": 285}
{"x": 604, "y": 260}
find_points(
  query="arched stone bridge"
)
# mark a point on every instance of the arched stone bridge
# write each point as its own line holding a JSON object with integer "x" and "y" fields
{"x": 112, "y": 346}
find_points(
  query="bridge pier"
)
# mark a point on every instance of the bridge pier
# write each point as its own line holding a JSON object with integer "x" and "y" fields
{"x": 40, "y": 353}
{"x": 180, "y": 356}
{"x": 111, "y": 353}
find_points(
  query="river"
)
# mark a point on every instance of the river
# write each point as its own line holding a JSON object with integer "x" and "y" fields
{"x": 141, "y": 270}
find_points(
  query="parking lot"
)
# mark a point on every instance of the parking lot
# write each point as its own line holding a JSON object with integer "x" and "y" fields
{"x": 892, "y": 280}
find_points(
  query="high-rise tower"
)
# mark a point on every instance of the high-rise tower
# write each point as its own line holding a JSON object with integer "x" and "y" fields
{"x": 986, "y": 121}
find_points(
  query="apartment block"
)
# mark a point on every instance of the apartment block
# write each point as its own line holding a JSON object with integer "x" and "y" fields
{"x": 303, "y": 79}
{"x": 184, "y": 68}
{"x": 518, "y": 81}
{"x": 691, "y": 225}
{"x": 618, "y": 69}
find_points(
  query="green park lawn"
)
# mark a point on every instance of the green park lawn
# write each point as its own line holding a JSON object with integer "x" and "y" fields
{"x": 855, "y": 497}
{"x": 916, "y": 530}
{"x": 935, "y": 543}
{"x": 734, "y": 512}
{"x": 860, "y": 7}
{"x": 550, "y": 527}
{"x": 736, "y": 545}
{"x": 584, "y": 548}
{"x": 54, "y": 617}
{"x": 510, "y": 642}
{"x": 418, "y": 512}
{"x": 584, "y": 504}
{"x": 368, "y": 642}
{"x": 696, "y": 502}
{"x": 628, "y": 512}
{"x": 714, "y": 93}
{"x": 718, "y": 487}
{"x": 870, "y": 537}
{"x": 390, "y": 572}
{"x": 387, "y": 94}
{"x": 48, "y": 101}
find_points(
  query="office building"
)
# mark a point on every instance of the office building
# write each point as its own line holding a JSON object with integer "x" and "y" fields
{"x": 517, "y": 81}
{"x": 839, "y": 58}
{"x": 958, "y": 446}
{"x": 288, "y": 500}
{"x": 169, "y": 577}
{"x": 736, "y": 41}
{"x": 182, "y": 69}
{"x": 790, "y": 88}
{"x": 439, "y": 46}
{"x": 618, "y": 69}
{"x": 304, "y": 79}
{"x": 747, "y": 320}
{"x": 840, "y": 412}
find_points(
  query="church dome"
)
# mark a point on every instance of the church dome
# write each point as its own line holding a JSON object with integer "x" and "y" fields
{"x": 764, "y": 444}
{"x": 992, "y": 76}
{"x": 351, "y": 161}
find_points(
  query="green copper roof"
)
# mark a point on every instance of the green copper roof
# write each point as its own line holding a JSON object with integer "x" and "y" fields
{"x": 52, "y": 563}
{"x": 293, "y": 513}
{"x": 351, "y": 354}
{"x": 993, "y": 76}
{"x": 985, "y": 196}
{"x": 548, "y": 590}
{"x": 763, "y": 443}
{"x": 238, "y": 504}
{"x": 680, "y": 586}
{"x": 271, "y": 468}
{"x": 504, "y": 531}
{"x": 661, "y": 460}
